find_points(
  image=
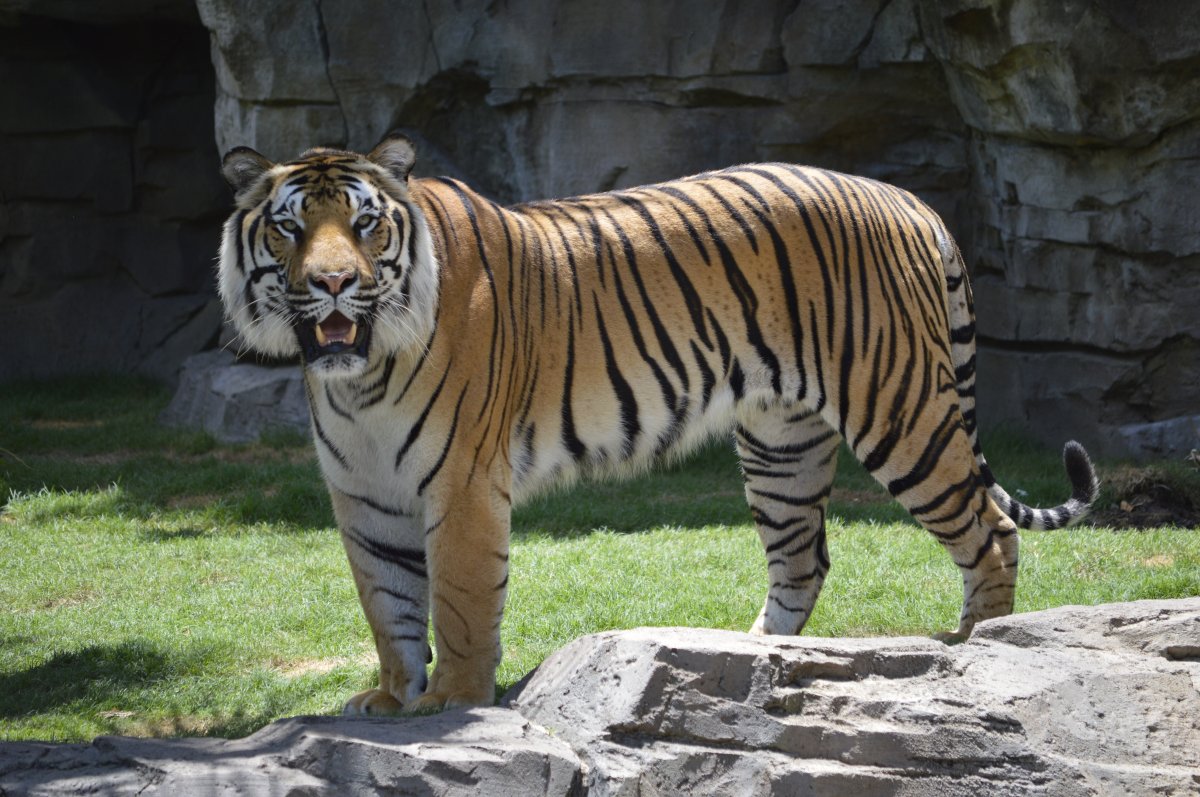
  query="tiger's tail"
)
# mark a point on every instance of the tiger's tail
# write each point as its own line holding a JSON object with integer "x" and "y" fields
{"x": 1084, "y": 484}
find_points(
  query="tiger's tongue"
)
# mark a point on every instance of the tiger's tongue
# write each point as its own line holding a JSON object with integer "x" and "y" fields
{"x": 336, "y": 329}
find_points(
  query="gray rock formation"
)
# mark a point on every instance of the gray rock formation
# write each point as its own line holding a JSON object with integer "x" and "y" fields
{"x": 1059, "y": 140}
{"x": 1056, "y": 138}
{"x": 237, "y": 402}
{"x": 1084, "y": 121}
{"x": 478, "y": 752}
{"x": 1073, "y": 701}
{"x": 1101, "y": 700}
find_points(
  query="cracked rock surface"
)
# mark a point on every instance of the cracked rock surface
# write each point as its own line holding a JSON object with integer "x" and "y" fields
{"x": 1100, "y": 700}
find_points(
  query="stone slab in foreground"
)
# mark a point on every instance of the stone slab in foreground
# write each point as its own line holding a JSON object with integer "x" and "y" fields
{"x": 1101, "y": 700}
{"x": 489, "y": 751}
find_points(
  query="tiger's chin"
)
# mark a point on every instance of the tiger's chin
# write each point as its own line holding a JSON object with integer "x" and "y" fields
{"x": 344, "y": 365}
{"x": 335, "y": 348}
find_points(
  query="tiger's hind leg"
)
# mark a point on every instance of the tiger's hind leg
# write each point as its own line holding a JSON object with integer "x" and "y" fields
{"x": 927, "y": 463}
{"x": 788, "y": 460}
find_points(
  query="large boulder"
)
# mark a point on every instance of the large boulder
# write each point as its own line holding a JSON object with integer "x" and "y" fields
{"x": 1073, "y": 701}
{"x": 1100, "y": 700}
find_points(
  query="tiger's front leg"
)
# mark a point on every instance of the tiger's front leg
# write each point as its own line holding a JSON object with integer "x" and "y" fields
{"x": 467, "y": 550}
{"x": 387, "y": 558}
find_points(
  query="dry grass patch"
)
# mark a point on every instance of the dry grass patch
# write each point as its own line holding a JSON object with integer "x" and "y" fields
{"x": 295, "y": 668}
{"x": 688, "y": 498}
{"x": 56, "y": 424}
{"x": 201, "y": 501}
{"x": 161, "y": 727}
{"x": 256, "y": 454}
{"x": 859, "y": 496}
{"x": 76, "y": 598}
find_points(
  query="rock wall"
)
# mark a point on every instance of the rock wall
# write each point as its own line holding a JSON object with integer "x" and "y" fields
{"x": 1080, "y": 219}
{"x": 110, "y": 203}
{"x": 1059, "y": 140}
{"x": 532, "y": 99}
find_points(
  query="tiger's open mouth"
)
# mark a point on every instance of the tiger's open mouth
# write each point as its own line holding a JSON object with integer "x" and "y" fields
{"x": 335, "y": 334}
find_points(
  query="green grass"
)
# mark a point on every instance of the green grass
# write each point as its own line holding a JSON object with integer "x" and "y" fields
{"x": 154, "y": 582}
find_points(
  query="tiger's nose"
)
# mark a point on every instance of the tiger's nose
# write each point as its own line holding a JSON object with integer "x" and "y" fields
{"x": 333, "y": 283}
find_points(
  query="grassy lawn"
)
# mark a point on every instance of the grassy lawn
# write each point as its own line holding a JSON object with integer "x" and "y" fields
{"x": 154, "y": 582}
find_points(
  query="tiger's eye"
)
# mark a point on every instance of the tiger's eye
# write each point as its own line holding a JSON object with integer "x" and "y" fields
{"x": 364, "y": 222}
{"x": 289, "y": 226}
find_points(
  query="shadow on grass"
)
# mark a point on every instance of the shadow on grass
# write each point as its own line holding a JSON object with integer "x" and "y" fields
{"x": 89, "y": 683}
{"x": 149, "y": 486}
{"x": 93, "y": 674}
{"x": 86, "y": 434}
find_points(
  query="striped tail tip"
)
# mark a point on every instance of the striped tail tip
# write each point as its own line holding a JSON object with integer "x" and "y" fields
{"x": 1084, "y": 484}
{"x": 1084, "y": 489}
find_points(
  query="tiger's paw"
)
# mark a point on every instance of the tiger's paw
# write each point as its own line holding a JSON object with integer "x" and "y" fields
{"x": 952, "y": 637}
{"x": 372, "y": 703}
{"x": 444, "y": 699}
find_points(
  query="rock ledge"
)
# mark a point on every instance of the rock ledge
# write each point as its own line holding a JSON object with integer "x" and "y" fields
{"x": 1073, "y": 701}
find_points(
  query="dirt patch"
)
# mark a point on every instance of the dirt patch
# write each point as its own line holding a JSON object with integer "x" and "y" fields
{"x": 294, "y": 668}
{"x": 77, "y": 598}
{"x": 859, "y": 496}
{"x": 1149, "y": 497}
{"x": 60, "y": 423}
{"x": 201, "y": 501}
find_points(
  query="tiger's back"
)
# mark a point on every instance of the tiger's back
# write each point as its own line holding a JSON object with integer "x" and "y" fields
{"x": 600, "y": 334}
{"x": 628, "y": 325}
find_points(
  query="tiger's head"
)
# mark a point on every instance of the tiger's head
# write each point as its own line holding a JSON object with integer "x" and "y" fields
{"x": 327, "y": 256}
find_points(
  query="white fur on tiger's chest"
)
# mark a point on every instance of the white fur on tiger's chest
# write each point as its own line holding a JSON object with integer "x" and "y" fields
{"x": 359, "y": 448}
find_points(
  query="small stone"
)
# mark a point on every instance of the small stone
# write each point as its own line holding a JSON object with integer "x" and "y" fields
{"x": 236, "y": 402}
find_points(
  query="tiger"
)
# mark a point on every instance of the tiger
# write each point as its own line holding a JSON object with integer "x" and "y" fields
{"x": 459, "y": 356}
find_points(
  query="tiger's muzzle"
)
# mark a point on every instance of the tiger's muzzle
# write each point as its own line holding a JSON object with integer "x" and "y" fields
{"x": 333, "y": 335}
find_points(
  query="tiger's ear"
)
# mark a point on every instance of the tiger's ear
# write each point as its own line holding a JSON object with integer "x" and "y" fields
{"x": 395, "y": 153}
{"x": 242, "y": 167}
